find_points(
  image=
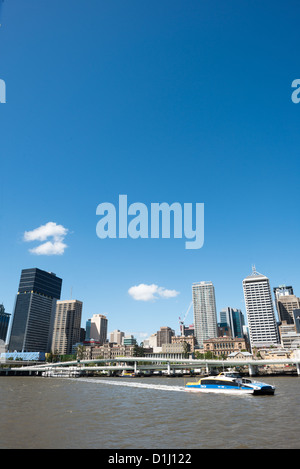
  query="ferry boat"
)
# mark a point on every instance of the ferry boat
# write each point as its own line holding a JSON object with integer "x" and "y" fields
{"x": 61, "y": 374}
{"x": 230, "y": 382}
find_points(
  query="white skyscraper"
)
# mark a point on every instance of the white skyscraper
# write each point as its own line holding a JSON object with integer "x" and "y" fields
{"x": 205, "y": 314}
{"x": 98, "y": 328}
{"x": 260, "y": 312}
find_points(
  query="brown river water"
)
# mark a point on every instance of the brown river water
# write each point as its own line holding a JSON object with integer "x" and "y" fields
{"x": 144, "y": 413}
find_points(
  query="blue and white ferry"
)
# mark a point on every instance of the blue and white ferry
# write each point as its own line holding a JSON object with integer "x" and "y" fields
{"x": 229, "y": 382}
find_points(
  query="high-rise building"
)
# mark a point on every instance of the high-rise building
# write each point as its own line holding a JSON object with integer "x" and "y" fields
{"x": 263, "y": 329}
{"x": 116, "y": 336}
{"x": 4, "y": 322}
{"x": 286, "y": 302}
{"x": 34, "y": 311}
{"x": 66, "y": 331}
{"x": 164, "y": 336}
{"x": 98, "y": 329}
{"x": 234, "y": 319}
{"x": 205, "y": 314}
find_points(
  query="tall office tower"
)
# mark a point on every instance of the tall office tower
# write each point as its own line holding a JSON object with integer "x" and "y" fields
{"x": 260, "y": 312}
{"x": 88, "y": 330}
{"x": 164, "y": 336}
{"x": 286, "y": 302}
{"x": 234, "y": 319}
{"x": 116, "y": 336}
{"x": 98, "y": 329}
{"x": 205, "y": 314}
{"x": 34, "y": 311}
{"x": 66, "y": 331}
{"x": 4, "y": 321}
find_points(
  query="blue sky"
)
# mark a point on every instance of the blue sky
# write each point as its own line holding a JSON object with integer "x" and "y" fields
{"x": 173, "y": 101}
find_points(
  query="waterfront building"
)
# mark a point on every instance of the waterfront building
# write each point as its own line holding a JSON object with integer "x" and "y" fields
{"x": 234, "y": 319}
{"x": 274, "y": 353}
{"x": 109, "y": 350}
{"x": 260, "y": 312}
{"x": 66, "y": 331}
{"x": 205, "y": 314}
{"x": 116, "y": 336}
{"x": 224, "y": 346}
{"x": 34, "y": 311}
{"x": 189, "y": 340}
{"x": 175, "y": 350}
{"x": 286, "y": 302}
{"x": 240, "y": 355}
{"x": 129, "y": 340}
{"x": 98, "y": 328}
{"x": 164, "y": 336}
{"x": 149, "y": 353}
{"x": 4, "y": 322}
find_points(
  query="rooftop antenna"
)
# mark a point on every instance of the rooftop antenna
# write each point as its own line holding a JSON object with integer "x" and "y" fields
{"x": 254, "y": 272}
{"x": 71, "y": 292}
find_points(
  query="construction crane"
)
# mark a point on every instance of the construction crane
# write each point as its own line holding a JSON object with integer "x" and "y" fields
{"x": 181, "y": 321}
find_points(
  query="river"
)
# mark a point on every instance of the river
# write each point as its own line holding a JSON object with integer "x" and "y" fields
{"x": 138, "y": 413}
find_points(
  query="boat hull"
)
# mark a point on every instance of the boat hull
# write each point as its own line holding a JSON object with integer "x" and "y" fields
{"x": 261, "y": 392}
{"x": 219, "y": 390}
{"x": 254, "y": 392}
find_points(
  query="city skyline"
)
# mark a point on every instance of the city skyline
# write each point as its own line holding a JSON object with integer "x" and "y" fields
{"x": 205, "y": 316}
{"x": 181, "y": 103}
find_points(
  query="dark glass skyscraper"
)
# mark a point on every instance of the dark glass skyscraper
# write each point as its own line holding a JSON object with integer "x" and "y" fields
{"x": 34, "y": 311}
{"x": 234, "y": 319}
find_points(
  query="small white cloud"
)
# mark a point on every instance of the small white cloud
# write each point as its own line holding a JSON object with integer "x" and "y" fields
{"x": 164, "y": 293}
{"x": 58, "y": 232}
{"x": 49, "y": 249}
{"x": 152, "y": 292}
{"x": 42, "y": 233}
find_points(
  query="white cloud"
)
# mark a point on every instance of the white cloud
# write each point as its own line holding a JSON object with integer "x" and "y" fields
{"x": 49, "y": 249}
{"x": 42, "y": 233}
{"x": 152, "y": 292}
{"x": 164, "y": 293}
{"x": 58, "y": 232}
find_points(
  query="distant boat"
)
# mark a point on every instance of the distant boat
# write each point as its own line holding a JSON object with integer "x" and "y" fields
{"x": 128, "y": 374}
{"x": 230, "y": 382}
{"x": 61, "y": 374}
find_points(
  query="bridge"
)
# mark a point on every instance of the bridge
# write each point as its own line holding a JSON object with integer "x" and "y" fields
{"x": 138, "y": 364}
